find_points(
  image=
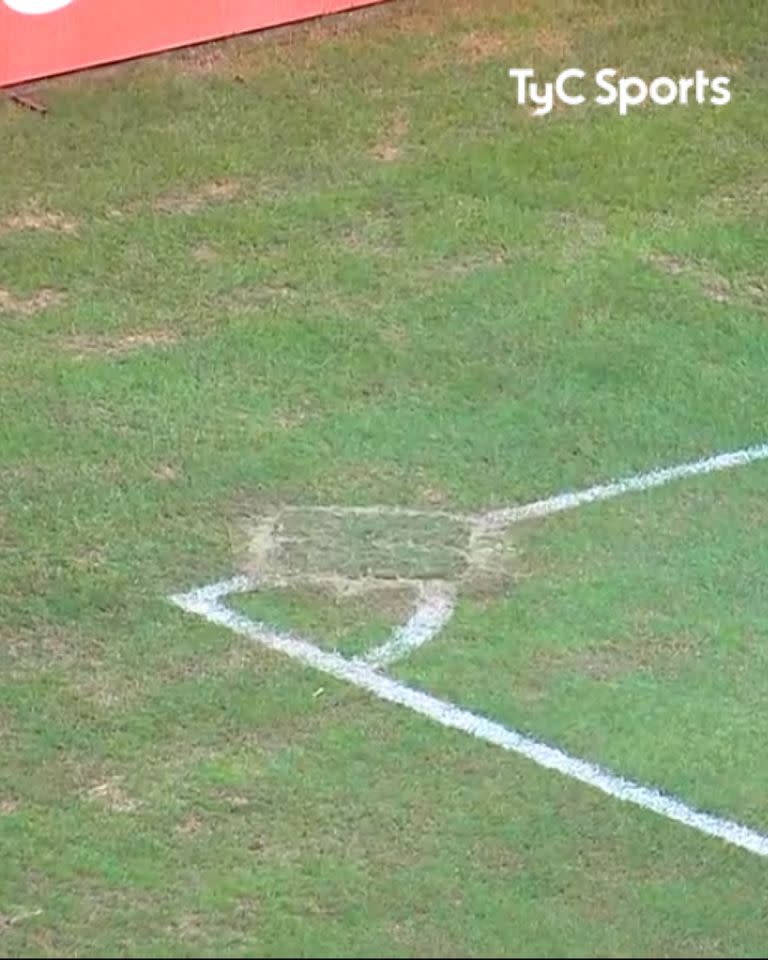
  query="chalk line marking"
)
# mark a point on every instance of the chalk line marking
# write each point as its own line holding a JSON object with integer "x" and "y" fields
{"x": 435, "y": 609}
{"x": 635, "y": 484}
{"x": 206, "y": 603}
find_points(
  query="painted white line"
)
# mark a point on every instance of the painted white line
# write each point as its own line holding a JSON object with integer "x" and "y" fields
{"x": 643, "y": 481}
{"x": 435, "y": 608}
{"x": 195, "y": 601}
{"x": 206, "y": 603}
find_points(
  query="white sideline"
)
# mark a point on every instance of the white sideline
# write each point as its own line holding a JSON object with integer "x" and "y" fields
{"x": 206, "y": 603}
{"x": 435, "y": 609}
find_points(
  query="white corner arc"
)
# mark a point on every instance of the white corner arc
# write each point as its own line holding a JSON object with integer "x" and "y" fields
{"x": 435, "y": 609}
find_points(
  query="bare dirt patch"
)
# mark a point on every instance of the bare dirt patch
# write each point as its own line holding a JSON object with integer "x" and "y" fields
{"x": 8, "y": 920}
{"x": 28, "y": 306}
{"x": 215, "y": 191}
{"x": 388, "y": 147}
{"x": 359, "y": 550}
{"x": 669, "y": 263}
{"x": 712, "y": 284}
{"x": 190, "y": 926}
{"x": 480, "y": 45}
{"x": 191, "y": 824}
{"x": 235, "y": 801}
{"x": 34, "y": 219}
{"x": 258, "y": 297}
{"x": 112, "y": 795}
{"x": 746, "y": 289}
{"x": 552, "y": 42}
{"x": 205, "y": 253}
{"x": 203, "y": 60}
{"x": 84, "y": 346}
{"x": 716, "y": 288}
{"x": 308, "y": 543}
{"x": 464, "y": 266}
{"x": 743, "y": 199}
{"x": 165, "y": 473}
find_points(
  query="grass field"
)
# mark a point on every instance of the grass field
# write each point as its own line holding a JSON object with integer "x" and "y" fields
{"x": 338, "y": 264}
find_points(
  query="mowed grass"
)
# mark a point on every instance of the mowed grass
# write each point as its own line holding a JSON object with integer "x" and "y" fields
{"x": 635, "y": 636}
{"x": 339, "y": 264}
{"x": 351, "y": 625}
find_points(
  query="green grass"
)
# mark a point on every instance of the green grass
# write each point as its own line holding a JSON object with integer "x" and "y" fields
{"x": 350, "y": 625}
{"x": 338, "y": 264}
{"x": 635, "y": 635}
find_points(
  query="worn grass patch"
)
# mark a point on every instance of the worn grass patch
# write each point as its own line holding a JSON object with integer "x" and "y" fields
{"x": 349, "y": 550}
{"x": 28, "y": 306}
{"x": 375, "y": 544}
{"x": 191, "y": 201}
{"x": 84, "y": 346}
{"x": 748, "y": 289}
{"x": 337, "y": 264}
{"x": 34, "y": 218}
{"x": 390, "y": 143}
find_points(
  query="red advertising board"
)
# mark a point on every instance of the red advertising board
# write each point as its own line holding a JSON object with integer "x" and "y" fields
{"x": 39, "y": 38}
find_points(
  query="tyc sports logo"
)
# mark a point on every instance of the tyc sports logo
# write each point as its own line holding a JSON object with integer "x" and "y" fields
{"x": 625, "y": 93}
{"x": 36, "y": 6}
